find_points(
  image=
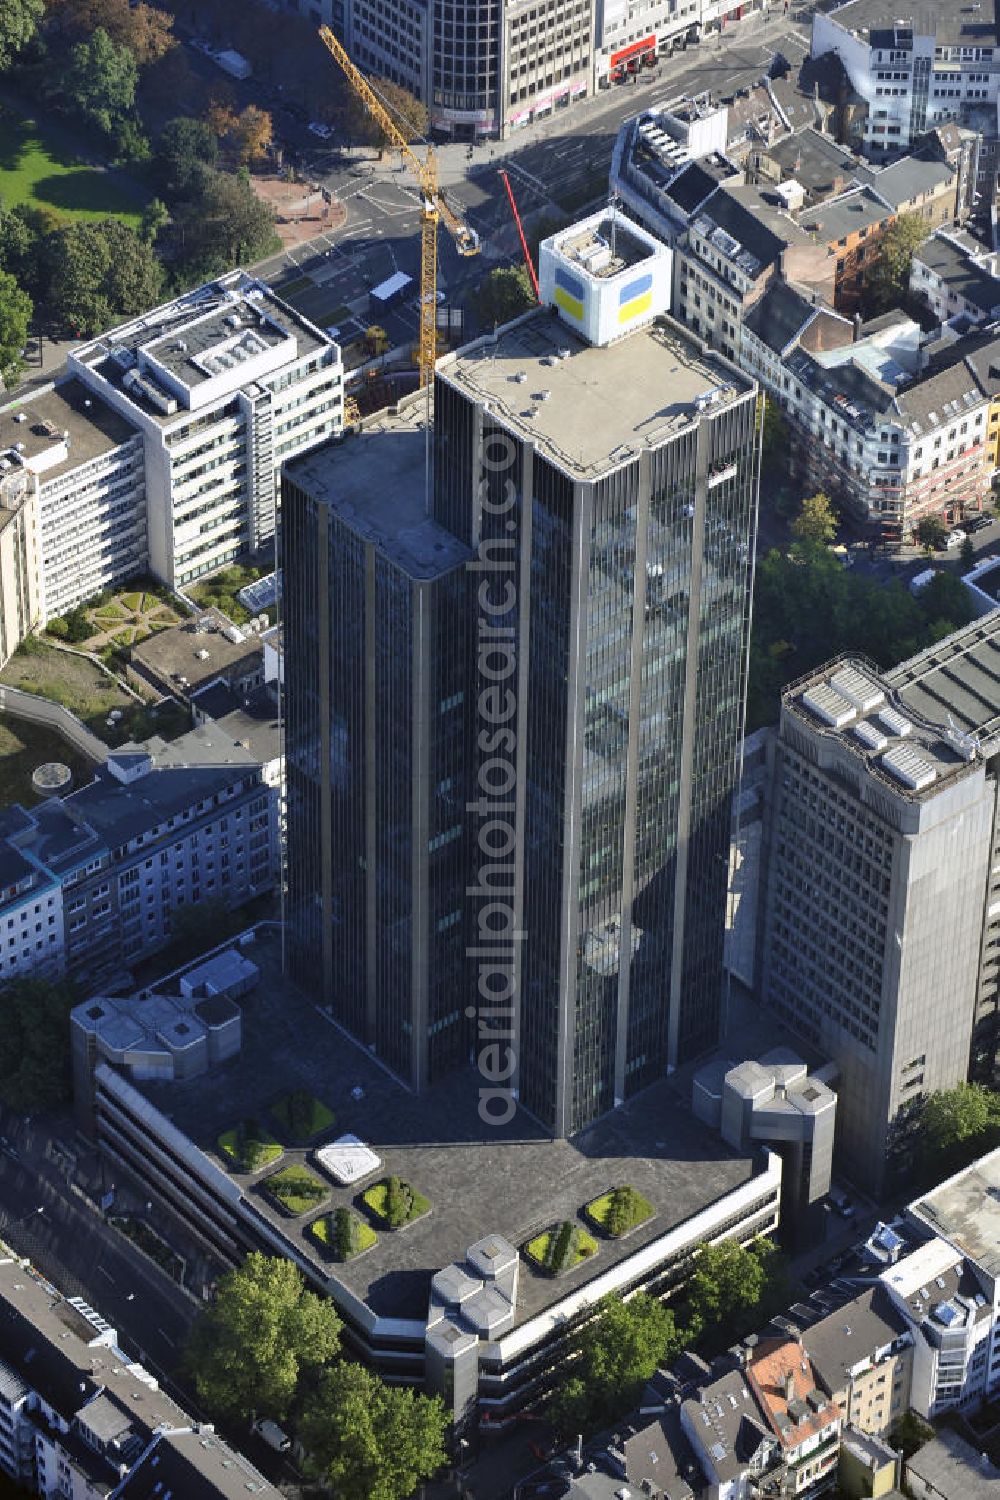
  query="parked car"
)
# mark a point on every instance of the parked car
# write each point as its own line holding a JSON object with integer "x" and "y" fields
{"x": 979, "y": 523}
{"x": 316, "y": 127}
{"x": 272, "y": 1435}
{"x": 954, "y": 539}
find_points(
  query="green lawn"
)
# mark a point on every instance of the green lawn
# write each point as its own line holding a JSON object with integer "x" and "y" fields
{"x": 36, "y": 168}
{"x": 23, "y": 747}
{"x": 297, "y": 1189}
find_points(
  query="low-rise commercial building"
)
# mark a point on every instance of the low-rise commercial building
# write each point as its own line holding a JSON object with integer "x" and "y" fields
{"x": 81, "y": 1419}
{"x": 451, "y": 1300}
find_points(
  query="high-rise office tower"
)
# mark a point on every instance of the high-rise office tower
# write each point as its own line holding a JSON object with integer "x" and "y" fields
{"x": 375, "y": 664}
{"x": 594, "y": 506}
{"x": 882, "y": 920}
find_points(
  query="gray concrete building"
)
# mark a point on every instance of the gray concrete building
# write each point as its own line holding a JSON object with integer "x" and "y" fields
{"x": 776, "y": 1102}
{"x": 882, "y": 915}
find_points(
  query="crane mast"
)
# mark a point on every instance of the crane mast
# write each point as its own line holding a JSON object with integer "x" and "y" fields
{"x": 432, "y": 205}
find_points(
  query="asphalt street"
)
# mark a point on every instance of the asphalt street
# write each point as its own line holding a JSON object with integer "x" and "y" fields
{"x": 562, "y": 161}
{"x": 71, "y": 1244}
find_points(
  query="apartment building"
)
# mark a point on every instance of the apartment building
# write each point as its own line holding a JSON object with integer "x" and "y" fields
{"x": 863, "y": 1358}
{"x": 766, "y": 1427}
{"x": 79, "y": 469}
{"x": 891, "y": 429}
{"x": 952, "y": 1324}
{"x": 914, "y": 72}
{"x": 955, "y": 275}
{"x": 222, "y": 386}
{"x": 882, "y": 831}
{"x": 160, "y": 826}
{"x": 31, "y": 914}
{"x": 81, "y": 1419}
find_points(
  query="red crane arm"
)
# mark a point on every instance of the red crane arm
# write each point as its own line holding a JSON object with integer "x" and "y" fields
{"x": 520, "y": 229}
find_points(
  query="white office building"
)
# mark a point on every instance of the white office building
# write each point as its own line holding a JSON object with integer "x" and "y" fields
{"x": 82, "y": 491}
{"x": 913, "y": 72}
{"x": 223, "y": 384}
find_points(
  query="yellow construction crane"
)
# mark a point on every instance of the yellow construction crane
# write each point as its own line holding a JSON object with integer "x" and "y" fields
{"x": 433, "y": 205}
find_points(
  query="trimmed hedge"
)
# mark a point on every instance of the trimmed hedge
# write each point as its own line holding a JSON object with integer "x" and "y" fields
{"x": 617, "y": 1212}
{"x": 344, "y": 1233}
{"x": 560, "y": 1248}
{"x": 395, "y": 1202}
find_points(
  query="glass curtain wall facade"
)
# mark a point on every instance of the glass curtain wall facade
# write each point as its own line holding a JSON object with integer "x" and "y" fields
{"x": 630, "y": 613}
{"x": 375, "y": 754}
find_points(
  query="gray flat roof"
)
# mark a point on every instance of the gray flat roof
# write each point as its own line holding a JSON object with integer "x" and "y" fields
{"x": 954, "y": 1469}
{"x": 174, "y": 652}
{"x": 514, "y": 1181}
{"x": 959, "y": 676}
{"x": 604, "y": 404}
{"x": 950, "y": 20}
{"x": 854, "y": 703}
{"x": 965, "y": 1210}
{"x": 197, "y": 321}
{"x": 93, "y": 427}
{"x": 374, "y": 482}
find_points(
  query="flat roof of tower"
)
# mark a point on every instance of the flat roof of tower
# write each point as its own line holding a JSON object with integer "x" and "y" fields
{"x": 965, "y": 1211}
{"x": 590, "y": 410}
{"x": 375, "y": 482}
{"x": 514, "y": 1180}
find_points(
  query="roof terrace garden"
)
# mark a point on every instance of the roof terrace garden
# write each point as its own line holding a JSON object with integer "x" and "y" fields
{"x": 477, "y": 1179}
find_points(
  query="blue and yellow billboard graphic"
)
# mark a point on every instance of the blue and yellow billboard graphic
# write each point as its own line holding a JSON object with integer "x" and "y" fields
{"x": 635, "y": 298}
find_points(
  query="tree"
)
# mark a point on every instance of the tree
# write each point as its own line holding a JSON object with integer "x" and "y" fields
{"x": 15, "y": 315}
{"x": 253, "y": 133}
{"x": 247, "y": 1352}
{"x": 369, "y": 1440}
{"x": 967, "y": 553}
{"x": 407, "y": 112}
{"x": 945, "y": 600}
{"x": 100, "y": 81}
{"x": 503, "y": 294}
{"x": 733, "y": 1288}
{"x": 774, "y": 432}
{"x": 889, "y": 275}
{"x": 186, "y": 148}
{"x": 613, "y": 1357}
{"x": 955, "y": 1126}
{"x": 377, "y": 340}
{"x": 19, "y": 20}
{"x": 930, "y": 532}
{"x": 154, "y": 216}
{"x": 146, "y": 31}
{"x": 34, "y": 1043}
{"x": 99, "y": 272}
{"x": 223, "y": 224}
{"x": 815, "y": 525}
